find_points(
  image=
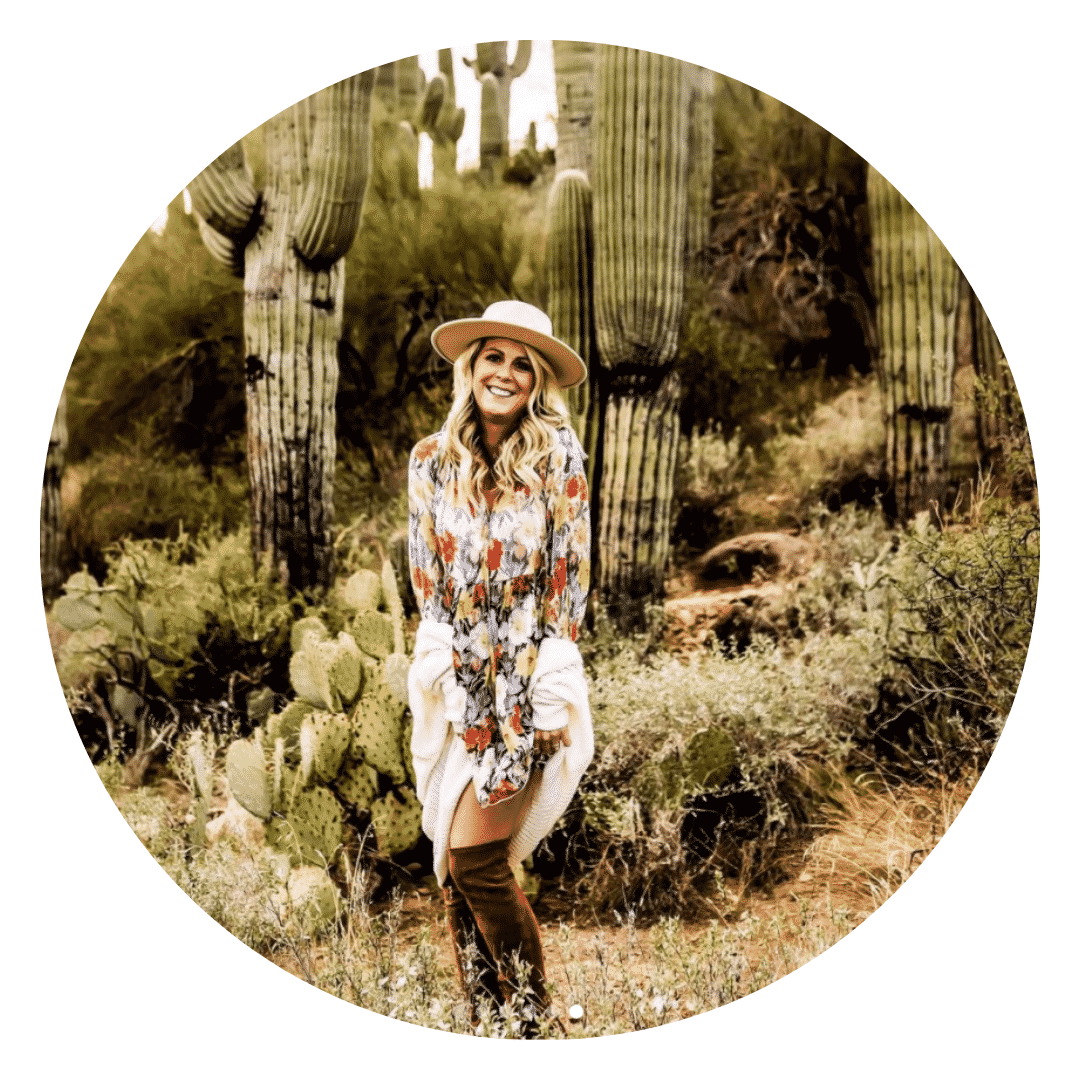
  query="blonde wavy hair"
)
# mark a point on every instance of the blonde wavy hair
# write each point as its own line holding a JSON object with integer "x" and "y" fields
{"x": 522, "y": 450}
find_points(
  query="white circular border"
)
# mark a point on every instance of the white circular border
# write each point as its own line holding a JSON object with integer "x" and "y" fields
{"x": 967, "y": 108}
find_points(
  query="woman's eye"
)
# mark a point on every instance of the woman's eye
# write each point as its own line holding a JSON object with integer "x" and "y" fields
{"x": 523, "y": 365}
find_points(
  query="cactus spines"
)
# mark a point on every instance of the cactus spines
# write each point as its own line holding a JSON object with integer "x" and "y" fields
{"x": 358, "y": 784}
{"x": 700, "y": 185}
{"x": 245, "y": 771}
{"x": 918, "y": 287}
{"x": 286, "y": 724}
{"x": 363, "y": 591}
{"x": 311, "y": 828}
{"x": 376, "y": 726}
{"x": 396, "y": 818}
{"x": 639, "y": 216}
{"x": 374, "y": 633}
{"x": 332, "y": 735}
{"x": 292, "y": 236}
{"x": 346, "y": 672}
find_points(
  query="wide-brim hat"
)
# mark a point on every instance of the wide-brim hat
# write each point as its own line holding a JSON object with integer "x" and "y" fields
{"x": 518, "y": 321}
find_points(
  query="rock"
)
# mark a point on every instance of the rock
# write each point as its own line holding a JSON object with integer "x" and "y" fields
{"x": 314, "y": 900}
{"x": 735, "y": 561}
{"x": 238, "y": 824}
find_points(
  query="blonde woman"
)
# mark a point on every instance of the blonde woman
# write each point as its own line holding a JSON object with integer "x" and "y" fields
{"x": 499, "y": 553}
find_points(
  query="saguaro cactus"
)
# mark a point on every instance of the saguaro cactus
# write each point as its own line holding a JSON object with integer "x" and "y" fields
{"x": 575, "y": 63}
{"x": 441, "y": 118}
{"x": 289, "y": 240}
{"x": 918, "y": 287}
{"x": 997, "y": 405}
{"x": 640, "y": 202}
{"x": 50, "y": 501}
{"x": 491, "y": 61}
{"x": 702, "y": 142}
{"x": 570, "y": 284}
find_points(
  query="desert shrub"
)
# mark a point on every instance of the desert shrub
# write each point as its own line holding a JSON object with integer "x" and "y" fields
{"x": 145, "y": 489}
{"x": 178, "y": 633}
{"x": 964, "y": 601}
{"x": 724, "y": 484}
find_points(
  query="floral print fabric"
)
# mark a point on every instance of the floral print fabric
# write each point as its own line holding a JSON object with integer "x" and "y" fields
{"x": 505, "y": 575}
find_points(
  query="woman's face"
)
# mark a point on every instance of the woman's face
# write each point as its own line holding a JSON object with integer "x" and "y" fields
{"x": 502, "y": 381}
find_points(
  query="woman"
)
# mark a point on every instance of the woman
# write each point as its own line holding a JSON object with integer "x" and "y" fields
{"x": 499, "y": 553}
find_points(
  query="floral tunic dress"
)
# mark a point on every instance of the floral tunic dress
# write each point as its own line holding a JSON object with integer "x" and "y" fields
{"x": 505, "y": 575}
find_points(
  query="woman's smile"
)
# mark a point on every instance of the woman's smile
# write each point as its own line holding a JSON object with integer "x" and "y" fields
{"x": 503, "y": 379}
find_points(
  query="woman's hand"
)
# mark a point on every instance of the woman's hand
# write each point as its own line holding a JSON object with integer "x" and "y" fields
{"x": 547, "y": 742}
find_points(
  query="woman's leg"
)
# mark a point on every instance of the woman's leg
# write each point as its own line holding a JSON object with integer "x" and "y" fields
{"x": 480, "y": 872}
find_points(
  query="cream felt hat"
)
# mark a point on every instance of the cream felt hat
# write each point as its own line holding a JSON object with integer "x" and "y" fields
{"x": 517, "y": 321}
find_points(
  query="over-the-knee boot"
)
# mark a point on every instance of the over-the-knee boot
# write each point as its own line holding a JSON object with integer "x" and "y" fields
{"x": 477, "y": 970}
{"x": 482, "y": 873}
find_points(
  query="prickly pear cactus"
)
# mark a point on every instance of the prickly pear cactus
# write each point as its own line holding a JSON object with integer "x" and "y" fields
{"x": 342, "y": 740}
{"x": 680, "y": 773}
{"x": 311, "y": 828}
{"x": 376, "y": 726}
{"x": 358, "y": 784}
{"x": 396, "y": 819}
{"x": 362, "y": 591}
{"x": 245, "y": 770}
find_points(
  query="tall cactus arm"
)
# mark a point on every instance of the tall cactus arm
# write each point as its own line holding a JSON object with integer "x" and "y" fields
{"x": 230, "y": 253}
{"x": 569, "y": 278}
{"x": 521, "y": 59}
{"x": 640, "y": 196}
{"x": 492, "y": 129}
{"x": 224, "y": 195}
{"x": 338, "y": 168}
{"x": 431, "y": 106}
{"x": 575, "y": 64}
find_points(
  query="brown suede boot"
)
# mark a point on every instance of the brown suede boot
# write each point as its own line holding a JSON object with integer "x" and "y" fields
{"x": 478, "y": 972}
{"x": 483, "y": 876}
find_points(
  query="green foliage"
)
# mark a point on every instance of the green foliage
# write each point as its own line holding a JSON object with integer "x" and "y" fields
{"x": 171, "y": 317}
{"x": 338, "y": 751}
{"x": 173, "y": 620}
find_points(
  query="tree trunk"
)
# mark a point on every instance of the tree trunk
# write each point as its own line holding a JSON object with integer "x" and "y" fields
{"x": 51, "y": 534}
{"x": 918, "y": 288}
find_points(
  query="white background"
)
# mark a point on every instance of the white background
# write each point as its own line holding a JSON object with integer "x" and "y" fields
{"x": 968, "y": 108}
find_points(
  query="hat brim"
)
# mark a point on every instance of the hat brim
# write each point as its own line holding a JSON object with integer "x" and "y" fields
{"x": 451, "y": 339}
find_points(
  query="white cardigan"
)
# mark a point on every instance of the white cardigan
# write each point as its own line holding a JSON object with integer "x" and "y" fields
{"x": 559, "y": 697}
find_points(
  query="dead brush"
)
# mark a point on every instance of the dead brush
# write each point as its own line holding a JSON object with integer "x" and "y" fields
{"x": 874, "y": 836}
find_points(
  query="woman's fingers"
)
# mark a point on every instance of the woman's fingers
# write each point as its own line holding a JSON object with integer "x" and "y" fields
{"x": 547, "y": 742}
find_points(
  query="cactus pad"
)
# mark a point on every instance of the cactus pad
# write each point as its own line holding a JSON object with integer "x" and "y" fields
{"x": 311, "y": 828}
{"x": 374, "y": 633}
{"x": 346, "y": 675}
{"x": 332, "y": 735}
{"x": 245, "y": 770}
{"x": 358, "y": 785}
{"x": 260, "y": 703}
{"x": 309, "y": 673}
{"x": 302, "y": 627}
{"x": 406, "y": 750}
{"x": 396, "y": 819}
{"x": 708, "y": 758}
{"x": 286, "y": 724}
{"x": 376, "y": 726}
{"x": 363, "y": 591}
{"x": 396, "y": 675}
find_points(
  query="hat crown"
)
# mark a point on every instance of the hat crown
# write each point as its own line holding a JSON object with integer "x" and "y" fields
{"x": 518, "y": 313}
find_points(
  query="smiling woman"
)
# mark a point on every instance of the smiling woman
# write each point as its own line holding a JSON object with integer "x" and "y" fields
{"x": 499, "y": 553}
